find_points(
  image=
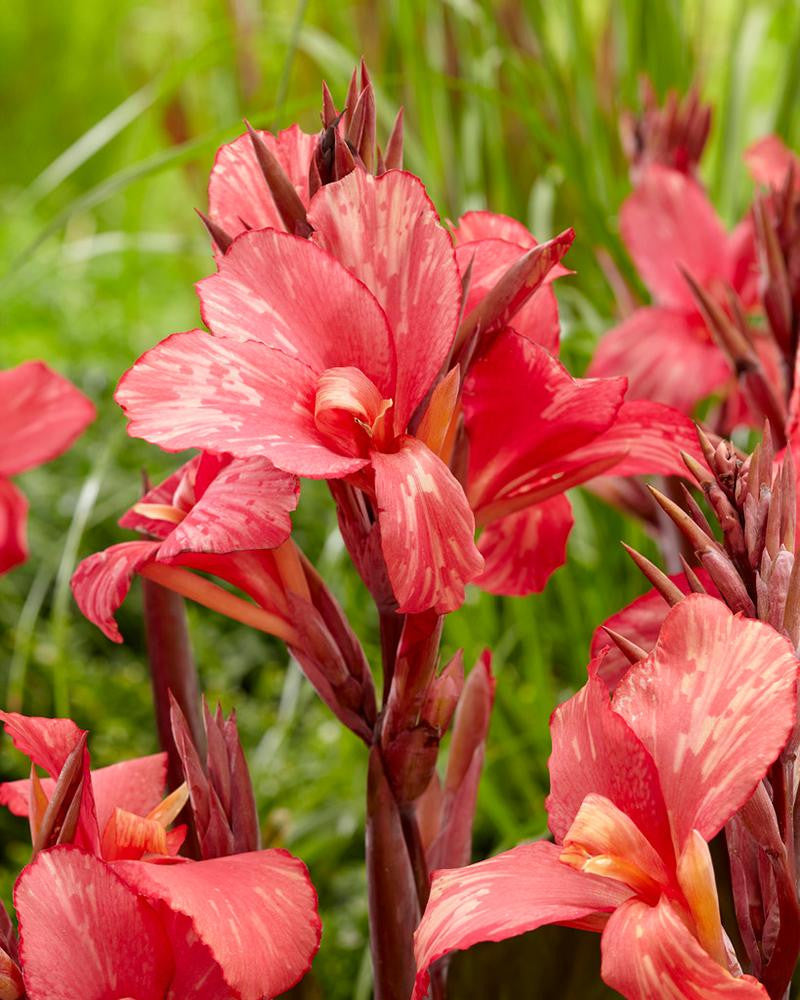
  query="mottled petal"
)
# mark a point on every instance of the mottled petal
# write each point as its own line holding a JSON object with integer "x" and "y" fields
{"x": 386, "y": 231}
{"x": 194, "y": 390}
{"x": 239, "y": 197}
{"x": 648, "y": 952}
{"x": 13, "y": 526}
{"x": 161, "y": 495}
{"x": 714, "y": 704}
{"x": 518, "y": 891}
{"x": 482, "y": 225}
{"x": 522, "y": 550}
{"x": 668, "y": 221}
{"x": 246, "y": 506}
{"x": 101, "y": 583}
{"x": 291, "y": 295}
{"x": 525, "y": 414}
{"x": 427, "y": 529}
{"x": 595, "y": 750}
{"x": 257, "y": 912}
{"x": 488, "y": 261}
{"x": 666, "y": 355}
{"x": 85, "y": 934}
{"x": 41, "y": 414}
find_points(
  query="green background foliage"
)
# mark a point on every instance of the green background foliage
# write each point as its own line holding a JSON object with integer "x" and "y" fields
{"x": 112, "y": 113}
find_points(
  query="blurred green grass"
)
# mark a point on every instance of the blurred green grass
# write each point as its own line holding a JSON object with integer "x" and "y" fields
{"x": 111, "y": 117}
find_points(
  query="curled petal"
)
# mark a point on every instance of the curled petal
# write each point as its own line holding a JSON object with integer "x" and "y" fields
{"x": 714, "y": 704}
{"x": 427, "y": 529}
{"x": 481, "y": 225}
{"x": 666, "y": 355}
{"x": 257, "y": 912}
{"x": 669, "y": 221}
{"x": 72, "y": 906}
{"x": 194, "y": 390}
{"x": 522, "y": 550}
{"x": 13, "y": 524}
{"x": 246, "y": 506}
{"x": 101, "y": 583}
{"x": 238, "y": 195}
{"x": 386, "y": 232}
{"x": 515, "y": 892}
{"x": 291, "y": 295}
{"x": 41, "y": 414}
{"x": 648, "y": 952}
{"x": 163, "y": 495}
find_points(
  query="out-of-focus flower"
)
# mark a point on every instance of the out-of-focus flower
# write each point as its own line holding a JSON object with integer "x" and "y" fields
{"x": 134, "y": 919}
{"x": 639, "y": 785}
{"x": 769, "y": 160}
{"x": 41, "y": 414}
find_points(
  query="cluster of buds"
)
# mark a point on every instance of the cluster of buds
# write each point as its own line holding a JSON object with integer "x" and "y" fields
{"x": 673, "y": 135}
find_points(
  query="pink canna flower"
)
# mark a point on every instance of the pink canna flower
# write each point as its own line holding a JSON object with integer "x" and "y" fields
{"x": 321, "y": 352}
{"x": 41, "y": 414}
{"x": 668, "y": 225}
{"x": 640, "y": 783}
{"x": 532, "y": 430}
{"x": 769, "y": 161}
{"x": 136, "y": 920}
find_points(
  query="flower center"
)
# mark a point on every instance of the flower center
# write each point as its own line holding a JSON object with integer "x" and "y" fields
{"x": 350, "y": 411}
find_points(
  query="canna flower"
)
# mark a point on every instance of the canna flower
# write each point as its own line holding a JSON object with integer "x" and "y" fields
{"x": 230, "y": 518}
{"x": 640, "y": 783}
{"x": 532, "y": 430}
{"x": 135, "y": 920}
{"x": 41, "y": 414}
{"x": 769, "y": 161}
{"x": 320, "y": 354}
{"x": 670, "y": 227}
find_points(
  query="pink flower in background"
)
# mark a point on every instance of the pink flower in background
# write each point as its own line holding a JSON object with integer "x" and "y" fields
{"x": 640, "y": 783}
{"x": 665, "y": 349}
{"x": 533, "y": 430}
{"x": 769, "y": 161}
{"x": 321, "y": 352}
{"x": 134, "y": 920}
{"x": 41, "y": 414}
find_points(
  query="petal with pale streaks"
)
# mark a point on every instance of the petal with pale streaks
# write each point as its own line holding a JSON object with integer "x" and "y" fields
{"x": 518, "y": 891}
{"x": 521, "y": 551}
{"x": 648, "y": 952}
{"x": 714, "y": 703}
{"x": 197, "y": 391}
{"x": 427, "y": 529}
{"x": 257, "y": 912}
{"x": 387, "y": 233}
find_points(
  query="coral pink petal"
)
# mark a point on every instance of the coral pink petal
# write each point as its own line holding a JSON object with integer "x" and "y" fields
{"x": 537, "y": 320}
{"x": 136, "y": 785}
{"x": 525, "y": 415}
{"x": 41, "y": 414}
{"x": 163, "y": 494}
{"x": 595, "y": 750}
{"x": 522, "y": 550}
{"x": 385, "y": 230}
{"x": 668, "y": 221}
{"x": 666, "y": 355}
{"x": 648, "y": 952}
{"x": 741, "y": 262}
{"x": 651, "y": 436}
{"x": 482, "y": 225}
{"x": 714, "y": 703}
{"x": 518, "y": 891}
{"x": 13, "y": 526}
{"x": 45, "y": 742}
{"x": 101, "y": 582}
{"x": 197, "y": 391}
{"x": 427, "y": 529}
{"x": 246, "y": 506}
{"x": 238, "y": 195}
{"x": 769, "y": 159}
{"x": 640, "y": 622}
{"x": 291, "y": 295}
{"x": 86, "y": 934}
{"x": 257, "y": 912}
